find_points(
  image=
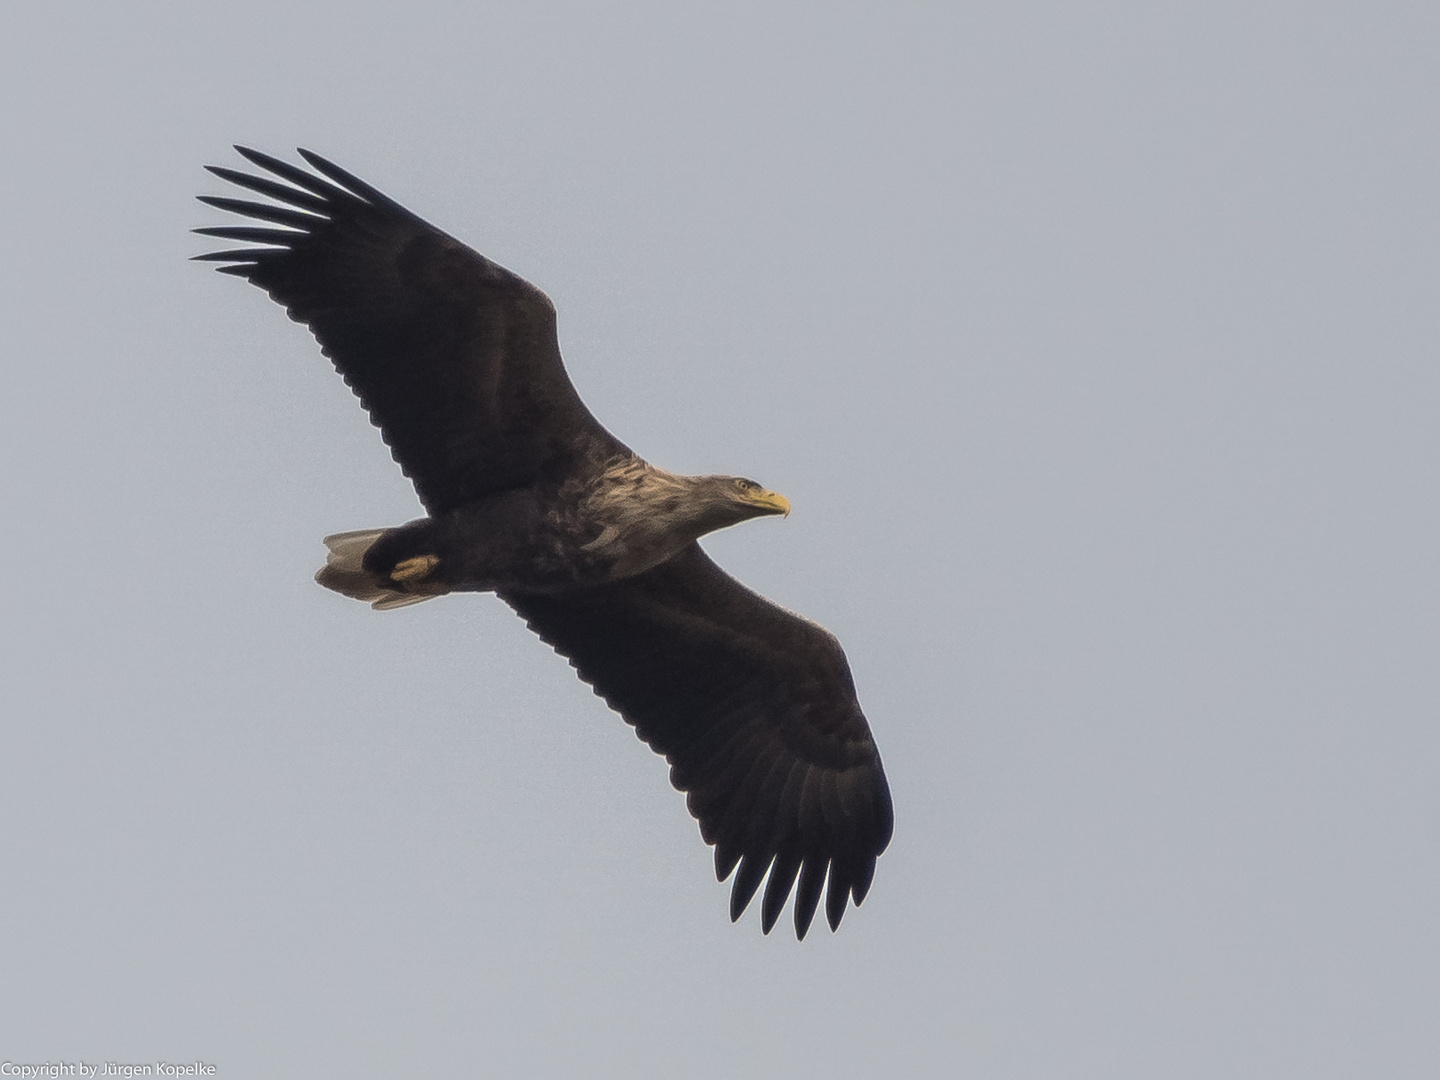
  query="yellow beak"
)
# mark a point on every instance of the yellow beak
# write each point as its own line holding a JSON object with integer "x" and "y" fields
{"x": 772, "y": 501}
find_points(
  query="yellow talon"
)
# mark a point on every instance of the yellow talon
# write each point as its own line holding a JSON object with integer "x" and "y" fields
{"x": 413, "y": 569}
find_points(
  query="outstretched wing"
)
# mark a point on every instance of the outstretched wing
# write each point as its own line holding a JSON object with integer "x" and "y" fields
{"x": 755, "y": 710}
{"x": 454, "y": 357}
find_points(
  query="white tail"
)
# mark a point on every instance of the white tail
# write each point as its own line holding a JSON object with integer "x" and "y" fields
{"x": 344, "y": 571}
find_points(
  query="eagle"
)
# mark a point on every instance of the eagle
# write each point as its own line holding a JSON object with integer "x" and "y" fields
{"x": 528, "y": 496}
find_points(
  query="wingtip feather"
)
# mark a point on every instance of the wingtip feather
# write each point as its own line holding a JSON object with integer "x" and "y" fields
{"x": 747, "y": 880}
{"x": 777, "y": 889}
{"x": 807, "y": 894}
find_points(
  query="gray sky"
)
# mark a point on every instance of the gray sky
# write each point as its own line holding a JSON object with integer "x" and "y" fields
{"x": 1096, "y": 346}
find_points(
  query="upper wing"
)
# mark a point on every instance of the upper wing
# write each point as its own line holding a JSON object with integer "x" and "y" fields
{"x": 755, "y": 710}
{"x": 455, "y": 358}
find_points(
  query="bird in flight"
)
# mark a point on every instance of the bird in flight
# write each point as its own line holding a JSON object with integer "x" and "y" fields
{"x": 527, "y": 496}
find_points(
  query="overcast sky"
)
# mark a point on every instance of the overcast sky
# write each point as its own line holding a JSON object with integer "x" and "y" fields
{"x": 1096, "y": 347}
